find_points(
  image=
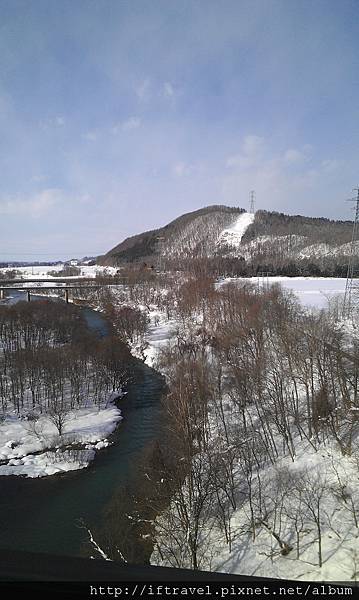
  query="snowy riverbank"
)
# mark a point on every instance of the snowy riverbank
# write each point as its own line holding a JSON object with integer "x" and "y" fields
{"x": 46, "y": 425}
{"x": 34, "y": 448}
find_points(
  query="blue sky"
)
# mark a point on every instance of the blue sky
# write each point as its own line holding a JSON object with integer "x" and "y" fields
{"x": 118, "y": 116}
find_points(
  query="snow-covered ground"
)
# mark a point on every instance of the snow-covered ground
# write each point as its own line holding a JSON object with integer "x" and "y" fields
{"x": 334, "y": 478}
{"x": 333, "y": 475}
{"x": 34, "y": 448}
{"x": 159, "y": 333}
{"x": 313, "y": 292}
{"x": 42, "y": 271}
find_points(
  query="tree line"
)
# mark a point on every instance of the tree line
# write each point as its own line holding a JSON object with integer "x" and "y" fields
{"x": 51, "y": 363}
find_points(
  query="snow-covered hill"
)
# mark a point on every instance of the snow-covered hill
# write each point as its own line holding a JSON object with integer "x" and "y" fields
{"x": 221, "y": 232}
{"x": 192, "y": 234}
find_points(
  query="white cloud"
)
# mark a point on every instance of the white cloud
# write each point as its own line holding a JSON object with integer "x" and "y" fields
{"x": 143, "y": 90}
{"x": 181, "y": 169}
{"x": 294, "y": 156}
{"x": 168, "y": 90}
{"x": 128, "y": 125}
{"x": 84, "y": 199}
{"x": 258, "y": 166}
{"x": 90, "y": 136}
{"x": 253, "y": 145}
{"x": 251, "y": 152}
{"x": 35, "y": 206}
{"x": 38, "y": 178}
{"x": 238, "y": 161}
{"x": 331, "y": 164}
{"x": 53, "y": 122}
{"x": 131, "y": 123}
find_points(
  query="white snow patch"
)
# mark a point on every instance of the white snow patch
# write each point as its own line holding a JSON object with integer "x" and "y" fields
{"x": 232, "y": 236}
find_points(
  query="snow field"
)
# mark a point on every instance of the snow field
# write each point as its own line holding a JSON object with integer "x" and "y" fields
{"x": 312, "y": 292}
{"x": 42, "y": 271}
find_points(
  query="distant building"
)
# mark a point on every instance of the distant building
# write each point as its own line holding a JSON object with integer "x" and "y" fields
{"x": 72, "y": 263}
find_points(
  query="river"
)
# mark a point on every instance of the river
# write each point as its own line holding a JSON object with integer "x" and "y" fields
{"x": 42, "y": 515}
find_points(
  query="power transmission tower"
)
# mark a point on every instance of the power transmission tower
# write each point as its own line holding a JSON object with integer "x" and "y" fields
{"x": 252, "y": 197}
{"x": 347, "y": 304}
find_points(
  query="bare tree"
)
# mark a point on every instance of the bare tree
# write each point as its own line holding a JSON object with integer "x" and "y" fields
{"x": 59, "y": 415}
{"x": 310, "y": 491}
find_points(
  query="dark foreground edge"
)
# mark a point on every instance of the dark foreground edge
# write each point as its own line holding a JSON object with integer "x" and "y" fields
{"x": 26, "y": 566}
{"x": 24, "y": 574}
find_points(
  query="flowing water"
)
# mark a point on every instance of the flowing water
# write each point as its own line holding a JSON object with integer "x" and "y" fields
{"x": 43, "y": 515}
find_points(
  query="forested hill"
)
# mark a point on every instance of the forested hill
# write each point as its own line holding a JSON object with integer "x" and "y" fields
{"x": 295, "y": 244}
{"x": 267, "y": 241}
{"x": 313, "y": 229}
{"x": 192, "y": 233}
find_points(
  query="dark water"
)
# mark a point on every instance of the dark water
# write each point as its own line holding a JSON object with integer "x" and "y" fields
{"x": 42, "y": 515}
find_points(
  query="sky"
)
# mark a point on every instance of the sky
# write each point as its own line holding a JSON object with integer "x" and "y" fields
{"x": 118, "y": 116}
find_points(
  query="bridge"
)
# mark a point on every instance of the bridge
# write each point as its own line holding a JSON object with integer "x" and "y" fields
{"x": 32, "y": 289}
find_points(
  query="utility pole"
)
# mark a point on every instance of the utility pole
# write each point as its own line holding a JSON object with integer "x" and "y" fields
{"x": 347, "y": 304}
{"x": 160, "y": 247}
{"x": 252, "y": 197}
{"x": 263, "y": 276}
